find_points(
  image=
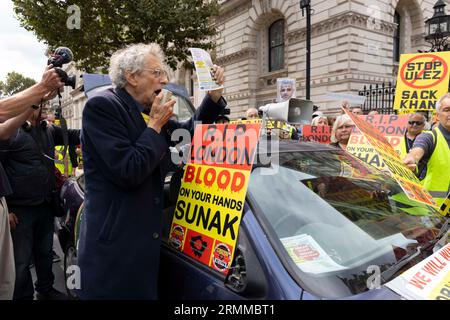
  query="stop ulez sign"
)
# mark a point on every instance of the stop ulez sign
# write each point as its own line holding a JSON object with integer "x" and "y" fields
{"x": 422, "y": 79}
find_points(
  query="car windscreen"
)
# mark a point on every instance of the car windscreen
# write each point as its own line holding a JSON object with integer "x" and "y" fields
{"x": 337, "y": 220}
{"x": 181, "y": 110}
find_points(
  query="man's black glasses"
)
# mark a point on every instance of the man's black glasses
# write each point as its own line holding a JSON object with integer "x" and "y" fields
{"x": 419, "y": 123}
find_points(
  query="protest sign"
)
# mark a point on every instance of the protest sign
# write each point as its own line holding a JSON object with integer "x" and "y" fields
{"x": 422, "y": 79}
{"x": 428, "y": 280}
{"x": 321, "y": 134}
{"x": 203, "y": 67}
{"x": 212, "y": 194}
{"x": 270, "y": 124}
{"x": 393, "y": 127}
{"x": 286, "y": 89}
{"x": 400, "y": 172}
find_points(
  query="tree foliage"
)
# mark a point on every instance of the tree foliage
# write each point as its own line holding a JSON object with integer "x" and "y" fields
{"x": 107, "y": 25}
{"x": 15, "y": 82}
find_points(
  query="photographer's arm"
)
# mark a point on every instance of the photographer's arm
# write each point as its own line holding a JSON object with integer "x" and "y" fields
{"x": 10, "y": 126}
{"x": 22, "y": 101}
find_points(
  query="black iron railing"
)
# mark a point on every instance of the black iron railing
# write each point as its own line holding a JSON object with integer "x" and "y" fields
{"x": 379, "y": 98}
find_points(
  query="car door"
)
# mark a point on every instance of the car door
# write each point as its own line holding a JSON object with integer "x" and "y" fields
{"x": 182, "y": 277}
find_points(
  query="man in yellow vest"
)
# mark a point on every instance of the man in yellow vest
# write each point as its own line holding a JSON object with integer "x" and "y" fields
{"x": 434, "y": 148}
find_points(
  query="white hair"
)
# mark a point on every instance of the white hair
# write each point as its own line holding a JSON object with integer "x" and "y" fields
{"x": 315, "y": 121}
{"x": 340, "y": 120}
{"x": 438, "y": 104}
{"x": 132, "y": 59}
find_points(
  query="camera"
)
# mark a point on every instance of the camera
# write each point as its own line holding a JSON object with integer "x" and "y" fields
{"x": 61, "y": 56}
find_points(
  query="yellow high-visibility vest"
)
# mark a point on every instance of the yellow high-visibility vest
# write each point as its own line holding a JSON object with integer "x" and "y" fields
{"x": 437, "y": 180}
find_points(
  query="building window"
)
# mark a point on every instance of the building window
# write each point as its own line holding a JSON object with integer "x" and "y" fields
{"x": 276, "y": 45}
{"x": 396, "y": 53}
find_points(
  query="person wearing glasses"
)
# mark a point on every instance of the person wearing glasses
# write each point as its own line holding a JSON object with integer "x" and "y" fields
{"x": 415, "y": 126}
{"x": 433, "y": 148}
{"x": 124, "y": 164}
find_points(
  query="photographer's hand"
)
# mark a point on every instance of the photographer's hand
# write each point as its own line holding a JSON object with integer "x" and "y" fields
{"x": 50, "y": 80}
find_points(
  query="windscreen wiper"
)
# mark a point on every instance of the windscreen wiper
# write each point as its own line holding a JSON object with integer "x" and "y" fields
{"x": 441, "y": 236}
{"x": 387, "y": 274}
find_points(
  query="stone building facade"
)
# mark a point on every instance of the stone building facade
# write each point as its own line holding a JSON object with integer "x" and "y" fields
{"x": 354, "y": 42}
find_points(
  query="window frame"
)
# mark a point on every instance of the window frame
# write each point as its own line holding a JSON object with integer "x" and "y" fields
{"x": 275, "y": 24}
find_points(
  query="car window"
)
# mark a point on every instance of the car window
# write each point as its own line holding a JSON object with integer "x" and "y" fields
{"x": 182, "y": 109}
{"x": 334, "y": 217}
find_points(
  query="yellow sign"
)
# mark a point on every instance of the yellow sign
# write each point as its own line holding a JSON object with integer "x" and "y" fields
{"x": 405, "y": 178}
{"x": 422, "y": 79}
{"x": 212, "y": 194}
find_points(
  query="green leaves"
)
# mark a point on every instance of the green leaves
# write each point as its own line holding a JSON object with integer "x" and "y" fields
{"x": 107, "y": 25}
{"x": 15, "y": 82}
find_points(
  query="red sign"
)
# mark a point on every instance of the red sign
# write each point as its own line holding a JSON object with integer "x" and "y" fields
{"x": 320, "y": 134}
{"x": 225, "y": 145}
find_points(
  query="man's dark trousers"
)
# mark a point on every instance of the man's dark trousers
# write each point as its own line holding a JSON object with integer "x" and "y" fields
{"x": 33, "y": 238}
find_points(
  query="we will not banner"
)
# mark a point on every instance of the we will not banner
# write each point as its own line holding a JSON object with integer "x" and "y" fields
{"x": 399, "y": 171}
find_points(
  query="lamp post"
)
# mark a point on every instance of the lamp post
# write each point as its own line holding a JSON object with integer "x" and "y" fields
{"x": 437, "y": 28}
{"x": 306, "y": 4}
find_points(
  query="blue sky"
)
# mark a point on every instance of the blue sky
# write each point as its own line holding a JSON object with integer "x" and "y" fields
{"x": 20, "y": 50}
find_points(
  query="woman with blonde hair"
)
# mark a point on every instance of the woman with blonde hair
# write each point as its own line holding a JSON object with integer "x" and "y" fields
{"x": 320, "y": 121}
{"x": 342, "y": 129}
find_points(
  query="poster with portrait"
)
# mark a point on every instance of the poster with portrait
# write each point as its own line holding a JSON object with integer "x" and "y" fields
{"x": 286, "y": 89}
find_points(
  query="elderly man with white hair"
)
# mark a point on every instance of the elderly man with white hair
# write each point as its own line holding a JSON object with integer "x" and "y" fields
{"x": 434, "y": 149}
{"x": 124, "y": 161}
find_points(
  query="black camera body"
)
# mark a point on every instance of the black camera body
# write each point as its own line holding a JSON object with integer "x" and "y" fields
{"x": 69, "y": 81}
{"x": 60, "y": 57}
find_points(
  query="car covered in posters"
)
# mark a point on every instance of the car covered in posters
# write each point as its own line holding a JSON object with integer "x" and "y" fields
{"x": 317, "y": 223}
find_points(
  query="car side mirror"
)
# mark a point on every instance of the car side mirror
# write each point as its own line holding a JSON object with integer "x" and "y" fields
{"x": 246, "y": 276}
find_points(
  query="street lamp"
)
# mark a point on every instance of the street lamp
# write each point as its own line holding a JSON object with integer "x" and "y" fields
{"x": 437, "y": 28}
{"x": 306, "y": 4}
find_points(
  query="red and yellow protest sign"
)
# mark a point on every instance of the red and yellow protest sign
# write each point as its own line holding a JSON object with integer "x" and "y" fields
{"x": 212, "y": 194}
{"x": 320, "y": 134}
{"x": 427, "y": 280}
{"x": 400, "y": 172}
{"x": 393, "y": 128}
{"x": 422, "y": 79}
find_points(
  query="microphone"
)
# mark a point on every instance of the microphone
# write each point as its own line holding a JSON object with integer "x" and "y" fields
{"x": 62, "y": 55}
{"x": 65, "y": 53}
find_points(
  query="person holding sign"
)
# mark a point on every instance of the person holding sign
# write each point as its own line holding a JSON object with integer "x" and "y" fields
{"x": 434, "y": 148}
{"x": 342, "y": 129}
{"x": 124, "y": 165}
